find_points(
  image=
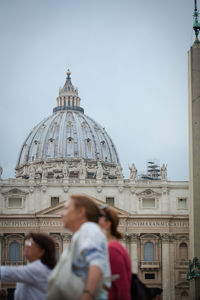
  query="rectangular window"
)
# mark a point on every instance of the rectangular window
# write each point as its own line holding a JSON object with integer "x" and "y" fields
{"x": 110, "y": 201}
{"x": 14, "y": 202}
{"x": 54, "y": 201}
{"x": 149, "y": 276}
{"x": 148, "y": 203}
{"x": 182, "y": 203}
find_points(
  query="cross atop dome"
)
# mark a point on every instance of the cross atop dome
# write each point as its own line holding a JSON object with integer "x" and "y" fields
{"x": 68, "y": 73}
{"x": 68, "y": 98}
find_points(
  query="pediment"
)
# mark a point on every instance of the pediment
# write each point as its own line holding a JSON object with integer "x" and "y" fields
{"x": 148, "y": 193}
{"x": 15, "y": 191}
{"x": 56, "y": 210}
{"x": 149, "y": 236}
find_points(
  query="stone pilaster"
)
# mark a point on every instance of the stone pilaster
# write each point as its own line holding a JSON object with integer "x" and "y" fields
{"x": 1, "y": 247}
{"x": 133, "y": 251}
{"x": 166, "y": 266}
{"x": 172, "y": 266}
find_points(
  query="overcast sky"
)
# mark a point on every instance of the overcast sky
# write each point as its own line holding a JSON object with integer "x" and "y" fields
{"x": 128, "y": 59}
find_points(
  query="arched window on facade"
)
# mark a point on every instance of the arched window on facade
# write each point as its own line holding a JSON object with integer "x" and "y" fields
{"x": 183, "y": 251}
{"x": 149, "y": 251}
{"x": 14, "y": 252}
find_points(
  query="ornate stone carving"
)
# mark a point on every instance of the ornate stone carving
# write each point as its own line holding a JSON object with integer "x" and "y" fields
{"x": 65, "y": 170}
{"x": 148, "y": 193}
{"x": 99, "y": 189}
{"x": 44, "y": 188}
{"x": 167, "y": 237}
{"x": 31, "y": 172}
{"x": 118, "y": 171}
{"x": 44, "y": 171}
{"x": 65, "y": 188}
{"x": 1, "y": 171}
{"x": 132, "y": 189}
{"x": 15, "y": 191}
{"x": 132, "y": 237}
{"x": 120, "y": 189}
{"x": 82, "y": 170}
{"x": 163, "y": 172}
{"x": 133, "y": 172}
{"x": 99, "y": 173}
{"x": 31, "y": 189}
{"x": 66, "y": 237}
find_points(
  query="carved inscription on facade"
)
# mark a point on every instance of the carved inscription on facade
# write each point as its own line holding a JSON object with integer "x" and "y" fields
{"x": 30, "y": 223}
{"x": 58, "y": 223}
{"x": 14, "y": 223}
{"x": 156, "y": 223}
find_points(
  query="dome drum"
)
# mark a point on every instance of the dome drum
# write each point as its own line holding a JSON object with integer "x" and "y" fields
{"x": 68, "y": 169}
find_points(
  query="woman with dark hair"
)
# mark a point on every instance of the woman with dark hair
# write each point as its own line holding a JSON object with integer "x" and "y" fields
{"x": 120, "y": 262}
{"x": 32, "y": 278}
{"x": 88, "y": 252}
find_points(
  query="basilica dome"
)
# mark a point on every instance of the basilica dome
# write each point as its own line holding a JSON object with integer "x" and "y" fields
{"x": 68, "y": 134}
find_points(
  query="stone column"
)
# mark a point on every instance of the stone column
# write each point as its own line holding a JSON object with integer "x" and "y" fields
{"x": 124, "y": 240}
{"x": 166, "y": 266}
{"x": 66, "y": 239}
{"x": 1, "y": 247}
{"x": 134, "y": 252}
{"x": 172, "y": 266}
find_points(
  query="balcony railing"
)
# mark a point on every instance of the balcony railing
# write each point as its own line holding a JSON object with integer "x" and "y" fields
{"x": 149, "y": 264}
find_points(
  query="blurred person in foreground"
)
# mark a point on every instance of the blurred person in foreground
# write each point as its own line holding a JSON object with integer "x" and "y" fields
{"x": 90, "y": 257}
{"x": 156, "y": 293}
{"x": 3, "y": 294}
{"x": 32, "y": 278}
{"x": 120, "y": 262}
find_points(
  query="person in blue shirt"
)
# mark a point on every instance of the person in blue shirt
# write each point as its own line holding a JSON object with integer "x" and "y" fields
{"x": 31, "y": 279}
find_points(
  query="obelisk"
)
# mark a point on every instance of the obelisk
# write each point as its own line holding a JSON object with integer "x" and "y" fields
{"x": 194, "y": 150}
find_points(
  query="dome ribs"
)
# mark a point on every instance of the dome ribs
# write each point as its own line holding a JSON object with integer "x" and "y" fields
{"x": 47, "y": 146}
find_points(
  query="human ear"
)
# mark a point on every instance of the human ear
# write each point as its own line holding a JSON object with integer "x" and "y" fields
{"x": 81, "y": 212}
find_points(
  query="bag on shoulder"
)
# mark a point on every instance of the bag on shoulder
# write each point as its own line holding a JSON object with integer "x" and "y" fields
{"x": 63, "y": 284}
{"x": 139, "y": 291}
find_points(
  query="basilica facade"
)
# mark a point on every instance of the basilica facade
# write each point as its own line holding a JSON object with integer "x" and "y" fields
{"x": 69, "y": 153}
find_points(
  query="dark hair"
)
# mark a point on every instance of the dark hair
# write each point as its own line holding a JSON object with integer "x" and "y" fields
{"x": 111, "y": 215}
{"x": 92, "y": 211}
{"x": 47, "y": 243}
{"x": 3, "y": 294}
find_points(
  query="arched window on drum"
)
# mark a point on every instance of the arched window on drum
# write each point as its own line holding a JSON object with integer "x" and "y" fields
{"x": 148, "y": 251}
{"x": 14, "y": 252}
